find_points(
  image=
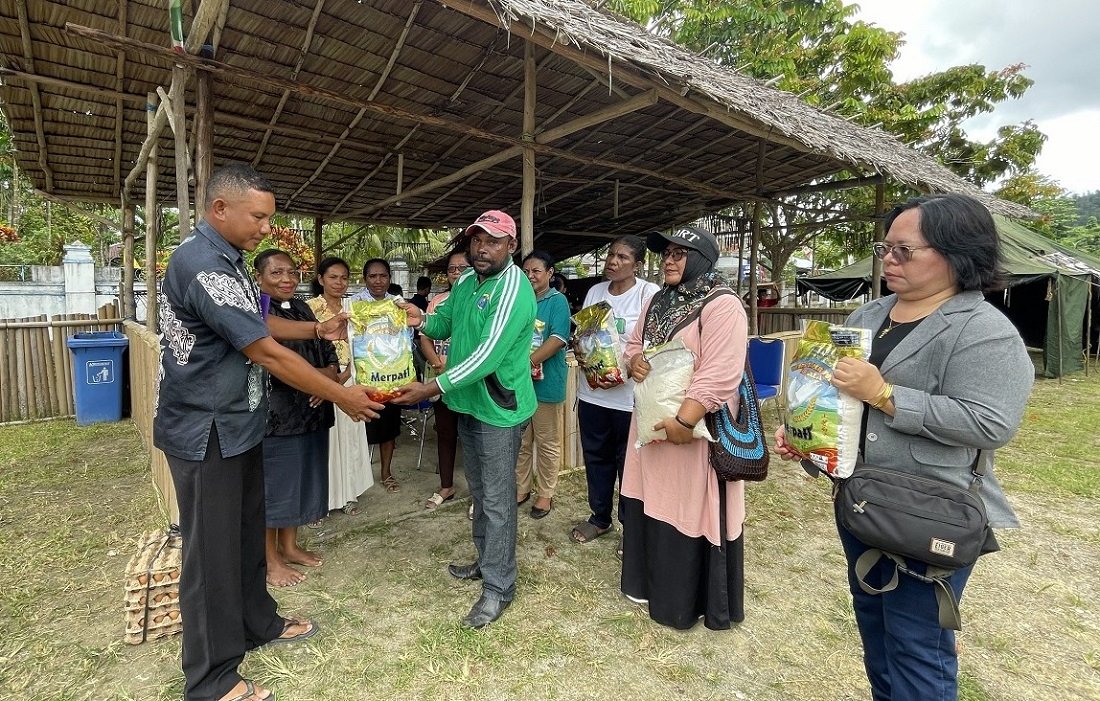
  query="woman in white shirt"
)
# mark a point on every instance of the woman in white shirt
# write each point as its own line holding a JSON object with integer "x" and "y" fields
{"x": 603, "y": 414}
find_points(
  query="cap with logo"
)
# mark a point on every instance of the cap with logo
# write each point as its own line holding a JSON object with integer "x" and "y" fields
{"x": 495, "y": 223}
{"x": 686, "y": 237}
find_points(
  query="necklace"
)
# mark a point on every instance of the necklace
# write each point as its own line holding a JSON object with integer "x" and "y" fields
{"x": 888, "y": 329}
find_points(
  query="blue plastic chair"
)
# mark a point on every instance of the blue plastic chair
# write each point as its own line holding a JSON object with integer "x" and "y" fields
{"x": 765, "y": 359}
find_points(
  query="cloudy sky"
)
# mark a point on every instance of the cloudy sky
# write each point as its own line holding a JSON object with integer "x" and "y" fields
{"x": 1057, "y": 39}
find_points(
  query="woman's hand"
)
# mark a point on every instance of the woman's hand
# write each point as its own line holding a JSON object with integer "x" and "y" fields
{"x": 674, "y": 432}
{"x": 782, "y": 448}
{"x": 858, "y": 378}
{"x": 315, "y": 401}
{"x": 639, "y": 368}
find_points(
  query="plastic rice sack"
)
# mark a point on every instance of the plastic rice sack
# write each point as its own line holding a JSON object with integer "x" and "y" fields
{"x": 823, "y": 423}
{"x": 381, "y": 347}
{"x": 536, "y": 342}
{"x": 598, "y": 345}
{"x": 660, "y": 395}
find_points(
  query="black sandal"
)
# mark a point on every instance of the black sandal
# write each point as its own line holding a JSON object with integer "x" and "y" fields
{"x": 588, "y": 532}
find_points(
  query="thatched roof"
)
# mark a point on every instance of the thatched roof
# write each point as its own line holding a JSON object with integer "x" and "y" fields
{"x": 332, "y": 98}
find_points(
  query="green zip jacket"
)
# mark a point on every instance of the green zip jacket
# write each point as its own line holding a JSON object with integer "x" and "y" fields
{"x": 489, "y": 365}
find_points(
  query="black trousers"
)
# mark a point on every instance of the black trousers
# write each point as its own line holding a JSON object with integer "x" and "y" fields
{"x": 224, "y": 601}
{"x": 604, "y": 434}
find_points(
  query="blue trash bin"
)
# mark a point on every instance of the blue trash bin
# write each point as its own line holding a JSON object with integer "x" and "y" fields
{"x": 97, "y": 371}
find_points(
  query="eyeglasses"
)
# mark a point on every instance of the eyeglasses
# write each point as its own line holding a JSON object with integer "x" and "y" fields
{"x": 456, "y": 268}
{"x": 902, "y": 253}
{"x": 676, "y": 254}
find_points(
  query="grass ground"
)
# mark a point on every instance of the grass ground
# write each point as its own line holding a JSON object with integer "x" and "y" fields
{"x": 74, "y": 499}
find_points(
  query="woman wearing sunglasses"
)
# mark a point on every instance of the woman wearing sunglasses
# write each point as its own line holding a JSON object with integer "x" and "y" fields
{"x": 946, "y": 383}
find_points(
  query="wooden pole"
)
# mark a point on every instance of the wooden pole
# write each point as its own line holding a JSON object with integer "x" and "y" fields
{"x": 527, "y": 205}
{"x": 178, "y": 121}
{"x": 318, "y": 227}
{"x": 152, "y": 220}
{"x": 204, "y": 132}
{"x": 127, "y": 296}
{"x": 880, "y": 234}
{"x": 754, "y": 248}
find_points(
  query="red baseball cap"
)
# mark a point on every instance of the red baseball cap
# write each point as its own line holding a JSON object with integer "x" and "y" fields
{"x": 495, "y": 223}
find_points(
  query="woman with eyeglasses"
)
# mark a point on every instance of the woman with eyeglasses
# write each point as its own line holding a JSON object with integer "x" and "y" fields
{"x": 349, "y": 471}
{"x": 947, "y": 382}
{"x": 446, "y": 421}
{"x": 296, "y": 443}
{"x": 683, "y": 548}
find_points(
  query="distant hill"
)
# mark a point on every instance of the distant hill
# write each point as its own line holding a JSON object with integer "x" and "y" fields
{"x": 1088, "y": 205}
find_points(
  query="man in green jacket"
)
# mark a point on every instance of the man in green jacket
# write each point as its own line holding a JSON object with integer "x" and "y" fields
{"x": 489, "y": 317}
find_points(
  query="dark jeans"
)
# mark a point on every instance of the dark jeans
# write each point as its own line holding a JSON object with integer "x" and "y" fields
{"x": 224, "y": 601}
{"x": 446, "y": 443}
{"x": 490, "y": 454}
{"x": 907, "y": 655}
{"x": 604, "y": 434}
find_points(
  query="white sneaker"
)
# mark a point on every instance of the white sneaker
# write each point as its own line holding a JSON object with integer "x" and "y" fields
{"x": 636, "y": 600}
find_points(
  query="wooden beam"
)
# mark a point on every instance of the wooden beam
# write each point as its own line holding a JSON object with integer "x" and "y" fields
{"x": 754, "y": 246}
{"x": 208, "y": 14}
{"x": 152, "y": 217}
{"x": 77, "y": 209}
{"x": 204, "y": 138}
{"x": 880, "y": 234}
{"x": 832, "y": 186}
{"x": 182, "y": 158}
{"x": 219, "y": 117}
{"x": 625, "y": 74}
{"x": 527, "y": 206}
{"x": 252, "y": 79}
{"x": 36, "y": 99}
{"x": 318, "y": 236}
{"x": 302, "y": 53}
{"x": 366, "y": 178}
{"x": 120, "y": 75}
{"x": 127, "y": 292}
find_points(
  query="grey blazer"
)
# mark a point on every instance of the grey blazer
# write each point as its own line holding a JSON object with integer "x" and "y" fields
{"x": 961, "y": 383}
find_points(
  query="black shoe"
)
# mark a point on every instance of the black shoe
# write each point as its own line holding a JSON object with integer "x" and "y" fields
{"x": 484, "y": 612}
{"x": 537, "y": 513}
{"x": 470, "y": 571}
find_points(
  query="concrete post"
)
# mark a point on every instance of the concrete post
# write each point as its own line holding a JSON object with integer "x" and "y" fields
{"x": 79, "y": 279}
{"x": 400, "y": 274}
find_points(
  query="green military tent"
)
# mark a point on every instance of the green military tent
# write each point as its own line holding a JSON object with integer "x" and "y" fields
{"x": 1052, "y": 294}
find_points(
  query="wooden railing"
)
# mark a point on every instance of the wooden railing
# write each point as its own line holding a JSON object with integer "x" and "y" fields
{"x": 144, "y": 365}
{"x": 36, "y": 367}
{"x": 779, "y": 319}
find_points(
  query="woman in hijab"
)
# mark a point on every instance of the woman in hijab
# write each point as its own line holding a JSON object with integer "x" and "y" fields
{"x": 680, "y": 557}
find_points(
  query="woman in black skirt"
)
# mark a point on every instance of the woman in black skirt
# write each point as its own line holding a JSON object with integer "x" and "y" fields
{"x": 296, "y": 442}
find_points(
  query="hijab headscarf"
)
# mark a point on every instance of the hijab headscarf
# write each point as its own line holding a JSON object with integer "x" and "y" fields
{"x": 677, "y": 305}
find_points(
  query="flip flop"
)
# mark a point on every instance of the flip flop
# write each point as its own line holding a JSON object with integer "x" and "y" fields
{"x": 249, "y": 693}
{"x": 307, "y": 633}
{"x": 391, "y": 484}
{"x": 588, "y": 532}
{"x": 436, "y": 500}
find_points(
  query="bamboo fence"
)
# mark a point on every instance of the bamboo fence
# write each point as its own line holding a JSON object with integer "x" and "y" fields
{"x": 144, "y": 365}
{"x": 36, "y": 367}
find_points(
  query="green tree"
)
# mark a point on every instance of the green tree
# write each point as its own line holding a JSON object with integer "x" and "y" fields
{"x": 817, "y": 50}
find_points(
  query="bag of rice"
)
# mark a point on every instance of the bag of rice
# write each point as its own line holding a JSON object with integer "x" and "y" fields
{"x": 660, "y": 395}
{"x": 536, "y": 342}
{"x": 381, "y": 347}
{"x": 823, "y": 423}
{"x": 598, "y": 344}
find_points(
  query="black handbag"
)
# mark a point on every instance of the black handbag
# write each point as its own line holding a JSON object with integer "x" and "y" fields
{"x": 904, "y": 516}
{"x": 739, "y": 451}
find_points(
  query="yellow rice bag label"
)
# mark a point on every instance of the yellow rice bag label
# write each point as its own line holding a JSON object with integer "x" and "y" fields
{"x": 823, "y": 423}
{"x": 381, "y": 347}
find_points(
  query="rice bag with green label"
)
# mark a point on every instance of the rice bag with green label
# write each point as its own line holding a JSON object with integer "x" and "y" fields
{"x": 598, "y": 344}
{"x": 381, "y": 347}
{"x": 823, "y": 423}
